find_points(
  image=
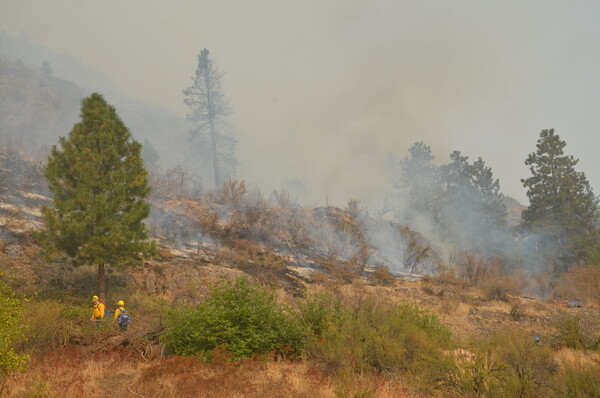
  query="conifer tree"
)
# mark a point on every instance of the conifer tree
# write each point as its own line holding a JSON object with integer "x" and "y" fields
{"x": 420, "y": 178}
{"x": 99, "y": 184}
{"x": 472, "y": 205}
{"x": 491, "y": 201}
{"x": 562, "y": 206}
{"x": 211, "y": 134}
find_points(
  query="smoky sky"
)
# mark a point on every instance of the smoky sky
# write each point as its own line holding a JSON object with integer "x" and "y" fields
{"x": 322, "y": 91}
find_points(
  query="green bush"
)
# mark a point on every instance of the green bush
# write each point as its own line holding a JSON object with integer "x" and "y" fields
{"x": 463, "y": 373}
{"x": 509, "y": 364}
{"x": 368, "y": 335}
{"x": 243, "y": 317}
{"x": 569, "y": 332}
{"x": 11, "y": 331}
{"x": 53, "y": 324}
{"x": 318, "y": 311}
{"x": 578, "y": 382}
{"x": 530, "y": 365}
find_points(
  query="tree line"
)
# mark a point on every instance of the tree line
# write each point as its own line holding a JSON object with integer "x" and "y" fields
{"x": 463, "y": 200}
{"x": 100, "y": 189}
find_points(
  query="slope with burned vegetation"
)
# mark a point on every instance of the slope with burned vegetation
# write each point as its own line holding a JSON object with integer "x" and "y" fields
{"x": 352, "y": 327}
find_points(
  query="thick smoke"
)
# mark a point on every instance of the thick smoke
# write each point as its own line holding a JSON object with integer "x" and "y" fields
{"x": 461, "y": 215}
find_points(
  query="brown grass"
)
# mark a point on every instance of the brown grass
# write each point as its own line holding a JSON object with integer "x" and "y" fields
{"x": 450, "y": 305}
{"x": 381, "y": 275}
{"x": 581, "y": 283}
{"x": 75, "y": 373}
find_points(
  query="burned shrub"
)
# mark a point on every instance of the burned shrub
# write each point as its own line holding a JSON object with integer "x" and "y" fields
{"x": 232, "y": 192}
{"x": 381, "y": 275}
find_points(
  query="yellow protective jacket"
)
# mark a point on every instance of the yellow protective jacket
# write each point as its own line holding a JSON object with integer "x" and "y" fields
{"x": 118, "y": 312}
{"x": 98, "y": 311}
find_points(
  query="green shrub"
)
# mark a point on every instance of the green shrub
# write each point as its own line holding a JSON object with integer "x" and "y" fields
{"x": 11, "y": 331}
{"x": 578, "y": 382}
{"x": 53, "y": 324}
{"x": 509, "y": 364}
{"x": 569, "y": 332}
{"x": 73, "y": 313}
{"x": 464, "y": 373}
{"x": 318, "y": 312}
{"x": 243, "y": 317}
{"x": 368, "y": 335}
{"x": 530, "y": 365}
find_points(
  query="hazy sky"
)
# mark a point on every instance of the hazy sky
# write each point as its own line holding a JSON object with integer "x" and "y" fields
{"x": 322, "y": 90}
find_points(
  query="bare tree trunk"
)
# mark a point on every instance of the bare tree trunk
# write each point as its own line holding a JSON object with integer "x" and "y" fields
{"x": 101, "y": 284}
{"x": 213, "y": 141}
{"x": 213, "y": 133}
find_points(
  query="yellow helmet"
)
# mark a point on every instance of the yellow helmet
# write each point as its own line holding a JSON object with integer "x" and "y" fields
{"x": 121, "y": 303}
{"x": 94, "y": 298}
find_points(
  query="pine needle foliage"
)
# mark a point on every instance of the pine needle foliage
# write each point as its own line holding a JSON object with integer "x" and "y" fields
{"x": 562, "y": 206}
{"x": 99, "y": 184}
{"x": 211, "y": 135}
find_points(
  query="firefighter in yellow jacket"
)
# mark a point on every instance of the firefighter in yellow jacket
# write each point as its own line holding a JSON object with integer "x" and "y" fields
{"x": 98, "y": 313}
{"x": 121, "y": 316}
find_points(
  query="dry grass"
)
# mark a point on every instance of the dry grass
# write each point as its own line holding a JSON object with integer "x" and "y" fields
{"x": 577, "y": 358}
{"x": 381, "y": 276}
{"x": 75, "y": 373}
{"x": 581, "y": 283}
{"x": 451, "y": 305}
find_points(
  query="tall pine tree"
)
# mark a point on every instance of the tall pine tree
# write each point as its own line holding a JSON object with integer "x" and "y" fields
{"x": 473, "y": 209}
{"x": 99, "y": 185}
{"x": 491, "y": 201}
{"x": 420, "y": 179}
{"x": 211, "y": 134}
{"x": 562, "y": 207}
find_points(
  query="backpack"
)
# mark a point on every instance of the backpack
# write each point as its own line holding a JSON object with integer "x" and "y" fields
{"x": 107, "y": 314}
{"x": 123, "y": 318}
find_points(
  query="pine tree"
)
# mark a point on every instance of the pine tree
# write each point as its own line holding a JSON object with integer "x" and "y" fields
{"x": 462, "y": 199}
{"x": 491, "y": 201}
{"x": 99, "y": 184}
{"x": 562, "y": 206}
{"x": 458, "y": 179}
{"x": 208, "y": 112}
{"x": 472, "y": 207}
{"x": 419, "y": 180}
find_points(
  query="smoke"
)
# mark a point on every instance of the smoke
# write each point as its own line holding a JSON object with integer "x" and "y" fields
{"x": 321, "y": 92}
{"x": 459, "y": 213}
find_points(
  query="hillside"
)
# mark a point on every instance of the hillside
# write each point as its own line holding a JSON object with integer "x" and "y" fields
{"x": 37, "y": 108}
{"x": 513, "y": 211}
{"x": 304, "y": 253}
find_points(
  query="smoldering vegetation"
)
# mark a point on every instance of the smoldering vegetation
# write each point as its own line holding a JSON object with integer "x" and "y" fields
{"x": 460, "y": 208}
{"x": 239, "y": 219}
{"x": 436, "y": 218}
